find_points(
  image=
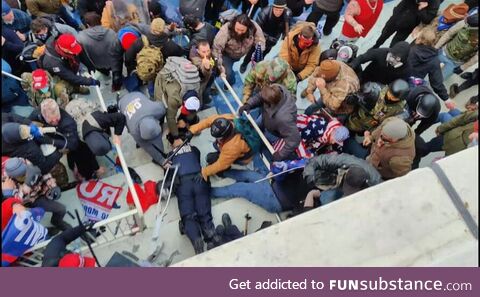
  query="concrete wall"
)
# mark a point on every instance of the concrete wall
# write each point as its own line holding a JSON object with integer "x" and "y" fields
{"x": 409, "y": 221}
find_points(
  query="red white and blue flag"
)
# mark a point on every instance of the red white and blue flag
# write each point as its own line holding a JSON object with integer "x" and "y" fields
{"x": 97, "y": 199}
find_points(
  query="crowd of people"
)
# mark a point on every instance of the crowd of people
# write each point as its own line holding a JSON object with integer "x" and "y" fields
{"x": 365, "y": 123}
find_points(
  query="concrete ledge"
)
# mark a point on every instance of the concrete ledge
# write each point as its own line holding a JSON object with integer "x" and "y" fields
{"x": 409, "y": 221}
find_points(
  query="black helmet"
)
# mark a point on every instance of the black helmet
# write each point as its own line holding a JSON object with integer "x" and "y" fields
{"x": 221, "y": 127}
{"x": 329, "y": 54}
{"x": 426, "y": 104}
{"x": 399, "y": 88}
{"x": 371, "y": 93}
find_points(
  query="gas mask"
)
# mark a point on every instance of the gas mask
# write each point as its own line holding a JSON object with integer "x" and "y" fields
{"x": 394, "y": 61}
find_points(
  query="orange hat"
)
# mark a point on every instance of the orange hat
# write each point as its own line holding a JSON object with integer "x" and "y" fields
{"x": 68, "y": 44}
{"x": 455, "y": 12}
{"x": 76, "y": 260}
{"x": 329, "y": 69}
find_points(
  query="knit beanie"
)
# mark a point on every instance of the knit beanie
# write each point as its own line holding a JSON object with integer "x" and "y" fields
{"x": 158, "y": 26}
{"x": 280, "y": 3}
{"x": 149, "y": 128}
{"x": 5, "y": 8}
{"x": 395, "y": 129}
{"x": 191, "y": 101}
{"x": 15, "y": 167}
{"x": 329, "y": 69}
{"x": 127, "y": 37}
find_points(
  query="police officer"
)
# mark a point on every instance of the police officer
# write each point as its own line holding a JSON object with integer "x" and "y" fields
{"x": 144, "y": 118}
{"x": 423, "y": 106}
{"x": 193, "y": 194}
{"x": 378, "y": 103}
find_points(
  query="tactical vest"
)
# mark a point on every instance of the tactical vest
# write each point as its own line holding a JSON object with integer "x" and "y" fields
{"x": 81, "y": 110}
{"x": 464, "y": 45}
{"x": 183, "y": 71}
{"x": 187, "y": 161}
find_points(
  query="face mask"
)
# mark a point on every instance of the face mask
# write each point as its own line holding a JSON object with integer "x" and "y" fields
{"x": 394, "y": 61}
{"x": 44, "y": 90}
{"x": 42, "y": 36}
{"x": 303, "y": 42}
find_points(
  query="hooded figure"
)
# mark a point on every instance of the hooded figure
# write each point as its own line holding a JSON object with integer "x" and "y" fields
{"x": 269, "y": 72}
{"x": 143, "y": 123}
{"x": 387, "y": 64}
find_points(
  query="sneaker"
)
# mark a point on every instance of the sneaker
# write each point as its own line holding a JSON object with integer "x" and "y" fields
{"x": 453, "y": 90}
{"x": 466, "y": 75}
{"x": 226, "y": 220}
{"x": 243, "y": 68}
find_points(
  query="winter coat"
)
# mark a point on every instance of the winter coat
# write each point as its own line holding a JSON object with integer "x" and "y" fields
{"x": 12, "y": 47}
{"x": 41, "y": 8}
{"x": 296, "y": 6}
{"x": 272, "y": 26}
{"x": 280, "y": 119}
{"x": 335, "y": 92}
{"x": 207, "y": 32}
{"x": 392, "y": 159}
{"x": 224, "y": 44}
{"x": 329, "y": 5}
{"x": 406, "y": 14}
{"x": 21, "y": 21}
{"x": 303, "y": 63}
{"x": 28, "y": 149}
{"x": 455, "y": 132}
{"x": 102, "y": 48}
{"x": 205, "y": 74}
{"x": 67, "y": 126}
{"x": 108, "y": 16}
{"x": 167, "y": 46}
{"x": 12, "y": 93}
{"x": 412, "y": 103}
{"x": 379, "y": 70}
{"x": 460, "y": 43}
{"x": 424, "y": 61}
{"x": 324, "y": 169}
{"x": 231, "y": 150}
{"x": 366, "y": 120}
{"x": 258, "y": 78}
{"x": 106, "y": 121}
{"x": 194, "y": 7}
{"x": 56, "y": 65}
{"x": 84, "y": 6}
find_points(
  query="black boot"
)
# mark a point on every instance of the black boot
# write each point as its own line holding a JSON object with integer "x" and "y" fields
{"x": 466, "y": 75}
{"x": 243, "y": 68}
{"x": 226, "y": 220}
{"x": 198, "y": 246}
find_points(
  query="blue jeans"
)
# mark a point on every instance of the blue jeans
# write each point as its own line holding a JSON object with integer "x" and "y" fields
{"x": 228, "y": 65}
{"x": 260, "y": 193}
{"x": 352, "y": 147}
{"x": 444, "y": 117}
{"x": 331, "y": 195}
{"x": 68, "y": 18}
{"x": 449, "y": 64}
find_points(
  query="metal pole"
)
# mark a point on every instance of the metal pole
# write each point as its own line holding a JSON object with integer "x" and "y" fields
{"x": 277, "y": 174}
{"x": 249, "y": 117}
{"x": 251, "y": 10}
{"x": 12, "y": 76}
{"x": 136, "y": 200}
{"x": 265, "y": 161}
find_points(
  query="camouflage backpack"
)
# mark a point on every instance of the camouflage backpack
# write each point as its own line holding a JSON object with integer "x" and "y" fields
{"x": 149, "y": 61}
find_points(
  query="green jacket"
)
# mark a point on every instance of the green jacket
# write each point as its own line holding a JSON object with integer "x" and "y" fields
{"x": 59, "y": 91}
{"x": 455, "y": 132}
{"x": 258, "y": 77}
{"x": 363, "y": 120}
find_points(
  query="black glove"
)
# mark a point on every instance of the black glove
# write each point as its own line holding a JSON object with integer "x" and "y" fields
{"x": 94, "y": 82}
{"x": 457, "y": 70}
{"x": 117, "y": 81}
{"x": 188, "y": 135}
{"x": 244, "y": 107}
{"x": 276, "y": 157}
{"x": 54, "y": 193}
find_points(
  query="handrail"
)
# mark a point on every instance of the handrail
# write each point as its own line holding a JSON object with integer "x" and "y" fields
{"x": 12, "y": 76}
{"x": 123, "y": 163}
{"x": 249, "y": 117}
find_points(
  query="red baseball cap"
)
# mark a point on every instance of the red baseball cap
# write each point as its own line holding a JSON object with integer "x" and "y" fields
{"x": 127, "y": 40}
{"x": 68, "y": 44}
{"x": 76, "y": 260}
{"x": 39, "y": 79}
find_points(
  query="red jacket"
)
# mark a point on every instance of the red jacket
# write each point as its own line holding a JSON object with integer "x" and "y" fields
{"x": 7, "y": 210}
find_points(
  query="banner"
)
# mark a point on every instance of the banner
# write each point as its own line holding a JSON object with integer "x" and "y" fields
{"x": 22, "y": 232}
{"x": 97, "y": 199}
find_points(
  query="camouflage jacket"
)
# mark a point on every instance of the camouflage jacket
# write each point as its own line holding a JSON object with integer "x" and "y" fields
{"x": 59, "y": 92}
